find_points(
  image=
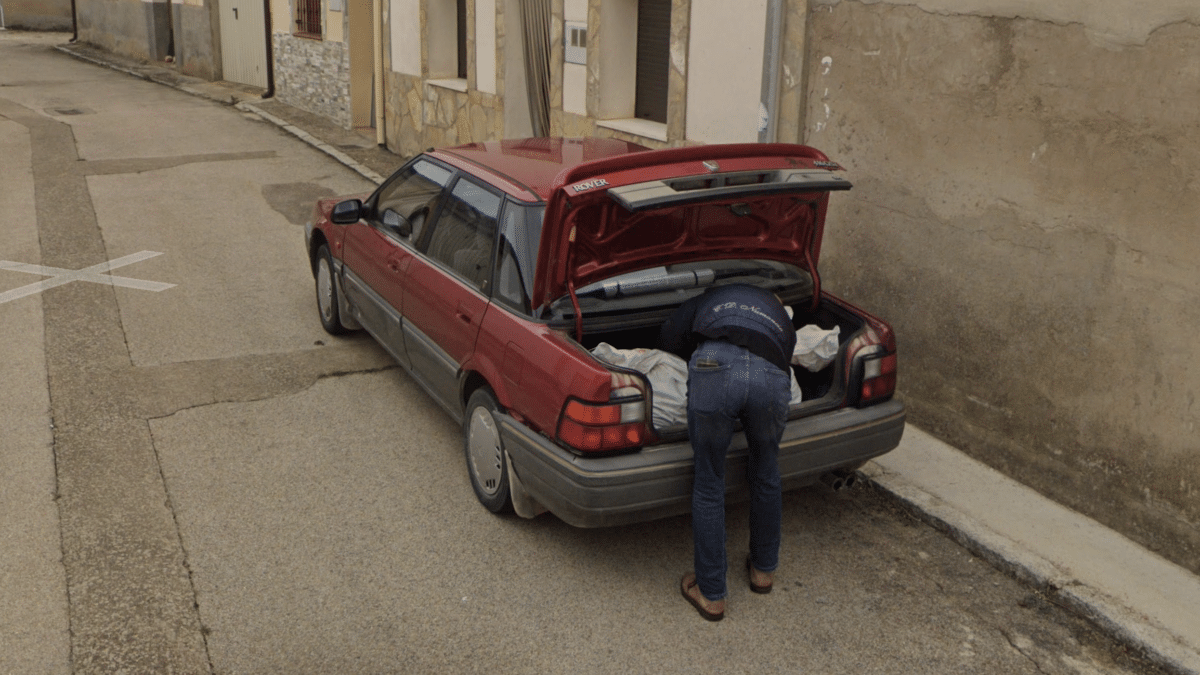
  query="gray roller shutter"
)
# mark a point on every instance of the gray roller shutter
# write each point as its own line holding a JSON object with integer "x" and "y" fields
{"x": 653, "y": 59}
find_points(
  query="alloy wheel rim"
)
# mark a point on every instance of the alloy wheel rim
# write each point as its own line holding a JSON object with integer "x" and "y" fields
{"x": 484, "y": 445}
{"x": 325, "y": 290}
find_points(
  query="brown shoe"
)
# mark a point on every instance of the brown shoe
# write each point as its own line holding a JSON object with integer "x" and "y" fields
{"x": 712, "y": 610}
{"x": 761, "y": 589}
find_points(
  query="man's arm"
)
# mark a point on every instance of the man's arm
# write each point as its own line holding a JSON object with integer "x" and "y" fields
{"x": 676, "y": 334}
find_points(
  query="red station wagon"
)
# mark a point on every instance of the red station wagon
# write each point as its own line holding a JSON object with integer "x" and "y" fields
{"x": 493, "y": 272}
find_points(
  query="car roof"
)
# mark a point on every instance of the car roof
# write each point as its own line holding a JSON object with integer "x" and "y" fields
{"x": 526, "y": 168}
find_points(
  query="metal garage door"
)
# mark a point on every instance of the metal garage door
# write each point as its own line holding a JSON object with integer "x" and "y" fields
{"x": 244, "y": 42}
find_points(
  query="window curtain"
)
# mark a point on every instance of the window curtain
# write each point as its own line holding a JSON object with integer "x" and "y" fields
{"x": 535, "y": 22}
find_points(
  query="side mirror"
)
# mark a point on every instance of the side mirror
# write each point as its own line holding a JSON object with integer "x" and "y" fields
{"x": 347, "y": 212}
{"x": 397, "y": 222}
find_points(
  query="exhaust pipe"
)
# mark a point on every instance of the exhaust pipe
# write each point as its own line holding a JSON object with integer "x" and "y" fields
{"x": 840, "y": 479}
{"x": 849, "y": 477}
{"x": 834, "y": 481}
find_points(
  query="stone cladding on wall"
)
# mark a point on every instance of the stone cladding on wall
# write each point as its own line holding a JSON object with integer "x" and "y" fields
{"x": 313, "y": 75}
{"x": 421, "y": 115}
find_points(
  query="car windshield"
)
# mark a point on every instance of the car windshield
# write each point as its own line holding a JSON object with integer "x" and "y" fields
{"x": 671, "y": 285}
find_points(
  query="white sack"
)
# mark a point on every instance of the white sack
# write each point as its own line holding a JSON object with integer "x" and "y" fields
{"x": 667, "y": 374}
{"x": 815, "y": 347}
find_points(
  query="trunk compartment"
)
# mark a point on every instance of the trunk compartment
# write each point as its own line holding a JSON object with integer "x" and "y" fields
{"x": 822, "y": 390}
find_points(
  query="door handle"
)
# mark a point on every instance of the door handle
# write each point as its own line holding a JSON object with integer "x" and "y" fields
{"x": 464, "y": 313}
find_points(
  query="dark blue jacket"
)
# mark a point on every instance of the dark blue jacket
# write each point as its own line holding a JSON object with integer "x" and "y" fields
{"x": 737, "y": 313}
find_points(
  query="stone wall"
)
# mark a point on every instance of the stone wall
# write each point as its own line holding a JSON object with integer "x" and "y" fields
{"x": 421, "y": 115}
{"x": 1024, "y": 214}
{"x": 313, "y": 75}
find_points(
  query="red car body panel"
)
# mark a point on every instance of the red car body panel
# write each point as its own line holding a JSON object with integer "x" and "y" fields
{"x": 529, "y": 169}
{"x": 561, "y": 265}
{"x": 535, "y": 379}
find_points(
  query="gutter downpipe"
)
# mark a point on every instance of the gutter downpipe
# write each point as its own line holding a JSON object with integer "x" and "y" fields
{"x": 772, "y": 57}
{"x": 270, "y": 92}
{"x": 380, "y": 133}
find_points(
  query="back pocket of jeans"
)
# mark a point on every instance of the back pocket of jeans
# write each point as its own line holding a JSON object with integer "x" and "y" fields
{"x": 706, "y": 387}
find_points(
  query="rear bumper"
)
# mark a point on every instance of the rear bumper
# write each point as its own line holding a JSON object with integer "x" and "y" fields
{"x": 657, "y": 482}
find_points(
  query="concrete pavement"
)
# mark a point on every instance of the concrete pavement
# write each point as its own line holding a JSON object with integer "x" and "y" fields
{"x": 1129, "y": 592}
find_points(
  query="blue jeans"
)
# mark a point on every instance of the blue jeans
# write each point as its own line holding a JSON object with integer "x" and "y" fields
{"x": 727, "y": 384}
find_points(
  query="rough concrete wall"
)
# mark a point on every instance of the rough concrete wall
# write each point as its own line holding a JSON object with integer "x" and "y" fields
{"x": 119, "y": 26}
{"x": 1024, "y": 212}
{"x": 37, "y": 14}
{"x": 196, "y": 52}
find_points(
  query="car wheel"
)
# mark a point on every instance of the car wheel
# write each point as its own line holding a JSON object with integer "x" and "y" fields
{"x": 328, "y": 296}
{"x": 486, "y": 463}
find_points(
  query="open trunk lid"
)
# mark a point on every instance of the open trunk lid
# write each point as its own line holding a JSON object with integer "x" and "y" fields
{"x": 649, "y": 209}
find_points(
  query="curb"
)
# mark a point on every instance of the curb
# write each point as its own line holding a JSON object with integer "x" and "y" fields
{"x": 1109, "y": 614}
{"x": 311, "y": 140}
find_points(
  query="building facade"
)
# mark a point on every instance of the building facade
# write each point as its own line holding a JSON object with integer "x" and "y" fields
{"x": 184, "y": 32}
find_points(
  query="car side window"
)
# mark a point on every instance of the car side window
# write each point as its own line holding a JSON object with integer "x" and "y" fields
{"x": 406, "y": 202}
{"x": 520, "y": 235}
{"x": 464, "y": 234}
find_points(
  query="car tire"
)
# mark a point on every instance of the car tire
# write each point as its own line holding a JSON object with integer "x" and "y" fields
{"x": 487, "y": 464}
{"x": 329, "y": 296}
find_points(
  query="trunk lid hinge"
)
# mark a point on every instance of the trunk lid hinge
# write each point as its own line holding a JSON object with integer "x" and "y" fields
{"x": 571, "y": 287}
{"x": 812, "y": 270}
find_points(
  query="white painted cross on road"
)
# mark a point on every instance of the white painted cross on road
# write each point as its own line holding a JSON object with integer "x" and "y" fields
{"x": 95, "y": 274}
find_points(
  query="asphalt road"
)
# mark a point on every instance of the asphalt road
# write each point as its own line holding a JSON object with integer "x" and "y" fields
{"x": 197, "y": 479}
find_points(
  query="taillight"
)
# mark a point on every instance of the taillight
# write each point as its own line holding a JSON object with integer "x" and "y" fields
{"x": 617, "y": 424}
{"x": 879, "y": 379}
{"x": 872, "y": 371}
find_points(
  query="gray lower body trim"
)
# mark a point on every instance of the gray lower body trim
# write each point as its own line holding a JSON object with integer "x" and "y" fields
{"x": 657, "y": 482}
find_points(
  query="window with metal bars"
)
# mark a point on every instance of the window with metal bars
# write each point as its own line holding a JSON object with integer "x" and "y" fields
{"x": 308, "y": 18}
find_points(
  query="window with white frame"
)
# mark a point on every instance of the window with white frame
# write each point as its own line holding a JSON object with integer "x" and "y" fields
{"x": 634, "y": 66}
{"x": 653, "y": 60}
{"x": 446, "y": 23}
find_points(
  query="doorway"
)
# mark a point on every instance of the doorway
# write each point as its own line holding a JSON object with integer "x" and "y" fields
{"x": 243, "y": 42}
{"x": 361, "y": 43}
